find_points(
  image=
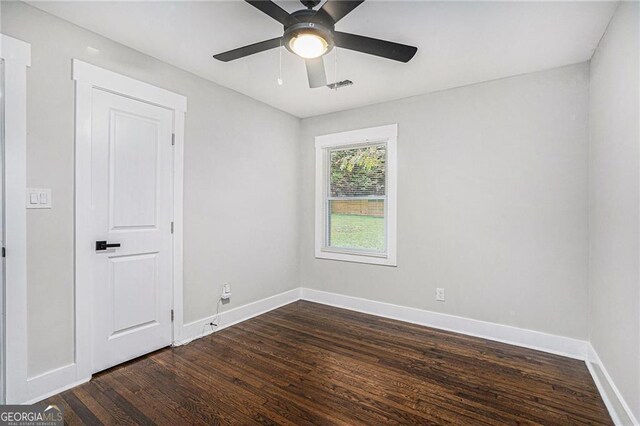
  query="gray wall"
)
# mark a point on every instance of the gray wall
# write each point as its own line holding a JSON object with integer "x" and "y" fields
{"x": 493, "y": 195}
{"x": 240, "y": 158}
{"x": 492, "y": 190}
{"x": 614, "y": 207}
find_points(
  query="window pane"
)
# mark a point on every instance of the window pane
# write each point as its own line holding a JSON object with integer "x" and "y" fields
{"x": 357, "y": 224}
{"x": 358, "y": 172}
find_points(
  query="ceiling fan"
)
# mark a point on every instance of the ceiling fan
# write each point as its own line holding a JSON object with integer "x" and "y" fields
{"x": 311, "y": 34}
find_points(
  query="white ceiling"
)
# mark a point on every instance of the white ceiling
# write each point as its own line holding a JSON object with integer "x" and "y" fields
{"x": 459, "y": 43}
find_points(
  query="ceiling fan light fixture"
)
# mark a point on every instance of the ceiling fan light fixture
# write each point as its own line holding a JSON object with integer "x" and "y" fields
{"x": 308, "y": 45}
{"x": 310, "y": 34}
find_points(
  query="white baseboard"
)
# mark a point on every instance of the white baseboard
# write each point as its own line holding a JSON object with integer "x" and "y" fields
{"x": 197, "y": 329}
{"x": 619, "y": 410}
{"x": 551, "y": 343}
{"x": 61, "y": 379}
{"x": 52, "y": 382}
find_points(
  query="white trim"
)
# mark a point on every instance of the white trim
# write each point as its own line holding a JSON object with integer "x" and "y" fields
{"x": 559, "y": 345}
{"x": 83, "y": 293}
{"x": 57, "y": 390}
{"x": 17, "y": 56}
{"x": 87, "y": 78}
{"x": 53, "y": 382}
{"x": 178, "y": 229}
{"x": 353, "y": 137}
{"x": 127, "y": 86}
{"x": 15, "y": 51}
{"x": 385, "y": 134}
{"x": 551, "y": 343}
{"x": 197, "y": 329}
{"x": 609, "y": 391}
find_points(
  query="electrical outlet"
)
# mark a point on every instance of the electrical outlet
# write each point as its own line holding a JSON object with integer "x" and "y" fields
{"x": 440, "y": 294}
{"x": 226, "y": 292}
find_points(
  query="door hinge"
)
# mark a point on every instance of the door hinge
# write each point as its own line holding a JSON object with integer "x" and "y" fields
{"x": 172, "y": 316}
{"x": 173, "y": 138}
{"x": 4, "y": 252}
{"x": 172, "y": 227}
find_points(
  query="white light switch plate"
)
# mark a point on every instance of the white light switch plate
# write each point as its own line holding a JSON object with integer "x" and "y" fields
{"x": 38, "y": 198}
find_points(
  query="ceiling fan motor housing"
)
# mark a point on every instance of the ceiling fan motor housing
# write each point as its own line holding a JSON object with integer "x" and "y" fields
{"x": 303, "y": 25}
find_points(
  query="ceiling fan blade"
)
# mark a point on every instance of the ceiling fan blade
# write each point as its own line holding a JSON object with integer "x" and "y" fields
{"x": 335, "y": 10}
{"x": 241, "y": 52}
{"x": 374, "y": 46}
{"x": 270, "y": 8}
{"x": 316, "y": 73}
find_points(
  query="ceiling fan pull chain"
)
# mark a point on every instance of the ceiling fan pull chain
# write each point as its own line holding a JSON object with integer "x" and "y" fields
{"x": 335, "y": 69}
{"x": 280, "y": 82}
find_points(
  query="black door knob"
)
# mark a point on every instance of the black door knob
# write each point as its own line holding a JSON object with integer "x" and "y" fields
{"x": 102, "y": 245}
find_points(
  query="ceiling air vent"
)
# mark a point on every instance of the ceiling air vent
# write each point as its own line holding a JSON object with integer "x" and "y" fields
{"x": 340, "y": 84}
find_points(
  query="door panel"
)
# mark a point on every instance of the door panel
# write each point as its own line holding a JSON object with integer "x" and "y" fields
{"x": 131, "y": 194}
{"x": 131, "y": 280}
{"x": 133, "y": 174}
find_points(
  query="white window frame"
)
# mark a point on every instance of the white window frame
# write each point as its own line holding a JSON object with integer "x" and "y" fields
{"x": 387, "y": 135}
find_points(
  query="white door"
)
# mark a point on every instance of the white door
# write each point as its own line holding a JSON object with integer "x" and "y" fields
{"x": 131, "y": 202}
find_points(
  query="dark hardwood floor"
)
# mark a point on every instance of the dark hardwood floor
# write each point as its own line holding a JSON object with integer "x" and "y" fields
{"x": 307, "y": 363}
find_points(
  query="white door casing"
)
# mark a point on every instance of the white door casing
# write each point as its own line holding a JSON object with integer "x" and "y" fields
{"x": 16, "y": 56}
{"x": 131, "y": 200}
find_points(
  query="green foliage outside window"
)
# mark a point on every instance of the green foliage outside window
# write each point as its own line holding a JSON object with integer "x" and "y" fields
{"x": 358, "y": 172}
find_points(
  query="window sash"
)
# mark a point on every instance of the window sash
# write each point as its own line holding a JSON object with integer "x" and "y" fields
{"x": 353, "y": 250}
{"x": 327, "y": 201}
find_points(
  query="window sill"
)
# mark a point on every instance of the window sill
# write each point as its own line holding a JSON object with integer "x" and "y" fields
{"x": 371, "y": 259}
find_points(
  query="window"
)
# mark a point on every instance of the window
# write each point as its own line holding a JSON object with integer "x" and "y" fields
{"x": 356, "y": 196}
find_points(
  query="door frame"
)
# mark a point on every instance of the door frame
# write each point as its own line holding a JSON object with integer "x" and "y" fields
{"x": 87, "y": 78}
{"x": 16, "y": 55}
